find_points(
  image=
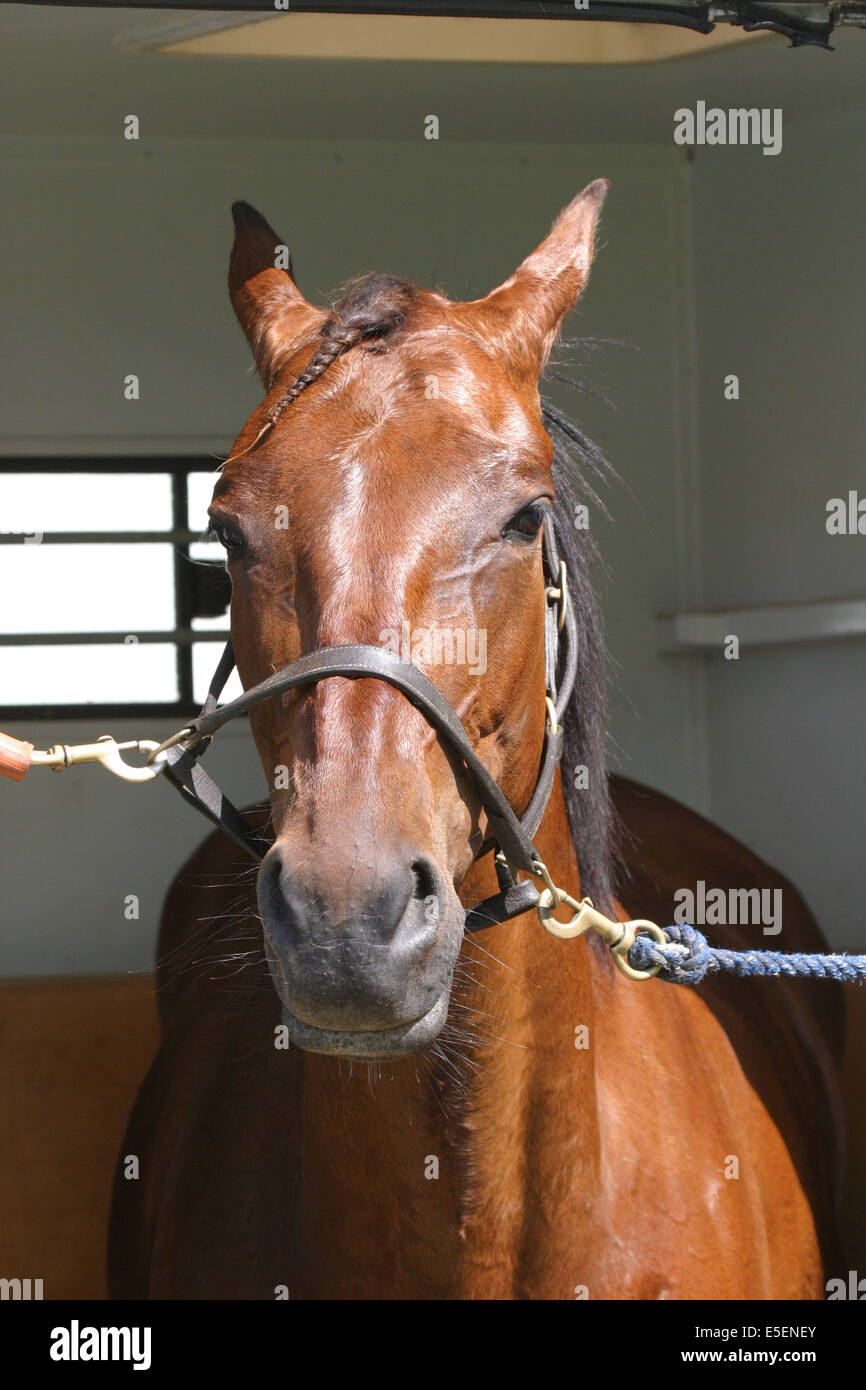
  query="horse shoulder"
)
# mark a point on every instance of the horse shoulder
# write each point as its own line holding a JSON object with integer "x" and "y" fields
{"x": 786, "y": 1036}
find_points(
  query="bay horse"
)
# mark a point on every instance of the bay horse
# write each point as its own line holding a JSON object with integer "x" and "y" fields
{"x": 353, "y": 1099}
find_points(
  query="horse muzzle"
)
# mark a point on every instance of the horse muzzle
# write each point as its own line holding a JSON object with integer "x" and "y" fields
{"x": 361, "y": 954}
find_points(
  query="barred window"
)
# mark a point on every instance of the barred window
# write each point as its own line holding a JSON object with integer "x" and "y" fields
{"x": 111, "y": 599}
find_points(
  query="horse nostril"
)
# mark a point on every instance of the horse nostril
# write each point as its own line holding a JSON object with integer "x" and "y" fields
{"x": 427, "y": 893}
{"x": 269, "y": 885}
{"x": 289, "y": 907}
{"x": 425, "y": 880}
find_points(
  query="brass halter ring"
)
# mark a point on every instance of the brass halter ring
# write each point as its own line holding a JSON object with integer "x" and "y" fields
{"x": 552, "y": 721}
{"x": 559, "y": 594}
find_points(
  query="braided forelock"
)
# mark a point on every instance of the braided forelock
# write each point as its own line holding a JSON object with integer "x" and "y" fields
{"x": 374, "y": 306}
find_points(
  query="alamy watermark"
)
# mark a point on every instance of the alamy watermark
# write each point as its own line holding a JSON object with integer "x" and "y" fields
{"x": 21, "y": 1290}
{"x": 733, "y": 907}
{"x": 739, "y": 125}
{"x": 438, "y": 646}
{"x": 77, "y": 1343}
{"x": 846, "y": 516}
{"x": 853, "y": 1288}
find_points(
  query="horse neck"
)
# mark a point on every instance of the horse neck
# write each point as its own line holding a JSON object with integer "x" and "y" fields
{"x": 491, "y": 1108}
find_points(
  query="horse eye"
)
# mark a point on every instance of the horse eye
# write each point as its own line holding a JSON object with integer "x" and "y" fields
{"x": 527, "y": 523}
{"x": 228, "y": 539}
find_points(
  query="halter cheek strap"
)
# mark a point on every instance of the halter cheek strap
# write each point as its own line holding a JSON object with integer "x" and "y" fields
{"x": 512, "y": 834}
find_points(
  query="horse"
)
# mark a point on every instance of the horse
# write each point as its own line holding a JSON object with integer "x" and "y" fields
{"x": 354, "y": 1098}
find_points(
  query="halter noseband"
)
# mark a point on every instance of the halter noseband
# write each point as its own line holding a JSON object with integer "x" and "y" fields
{"x": 511, "y": 834}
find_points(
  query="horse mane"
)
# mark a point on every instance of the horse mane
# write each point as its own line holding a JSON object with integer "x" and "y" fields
{"x": 373, "y": 306}
{"x": 590, "y": 811}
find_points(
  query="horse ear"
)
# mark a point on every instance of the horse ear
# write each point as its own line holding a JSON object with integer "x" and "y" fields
{"x": 523, "y": 316}
{"x": 270, "y": 308}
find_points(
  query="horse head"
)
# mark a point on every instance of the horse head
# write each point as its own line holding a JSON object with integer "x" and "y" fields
{"x": 391, "y": 490}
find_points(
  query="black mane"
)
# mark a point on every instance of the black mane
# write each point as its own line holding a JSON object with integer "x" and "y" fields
{"x": 590, "y": 812}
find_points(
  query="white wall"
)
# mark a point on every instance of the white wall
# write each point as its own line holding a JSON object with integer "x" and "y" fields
{"x": 781, "y": 286}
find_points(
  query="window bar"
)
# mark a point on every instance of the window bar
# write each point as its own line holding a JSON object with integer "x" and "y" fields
{"x": 182, "y": 586}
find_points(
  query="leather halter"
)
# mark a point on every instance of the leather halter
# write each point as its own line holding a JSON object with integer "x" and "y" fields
{"x": 512, "y": 834}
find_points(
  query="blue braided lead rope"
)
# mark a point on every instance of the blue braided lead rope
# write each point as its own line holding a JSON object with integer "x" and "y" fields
{"x": 687, "y": 958}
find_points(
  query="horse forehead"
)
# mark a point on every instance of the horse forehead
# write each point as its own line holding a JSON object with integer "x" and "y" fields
{"x": 425, "y": 420}
{"x": 400, "y": 492}
{"x": 444, "y": 373}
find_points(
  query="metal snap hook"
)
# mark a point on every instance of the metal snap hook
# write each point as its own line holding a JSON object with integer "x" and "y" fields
{"x": 579, "y": 922}
{"x": 113, "y": 761}
{"x": 106, "y": 751}
{"x": 550, "y": 898}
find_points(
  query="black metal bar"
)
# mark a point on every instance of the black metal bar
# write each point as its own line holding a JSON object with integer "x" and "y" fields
{"x": 108, "y": 463}
{"x": 173, "y": 537}
{"x": 184, "y": 637}
{"x": 649, "y": 13}
{"x": 128, "y": 713}
{"x": 183, "y": 607}
{"x": 701, "y": 16}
